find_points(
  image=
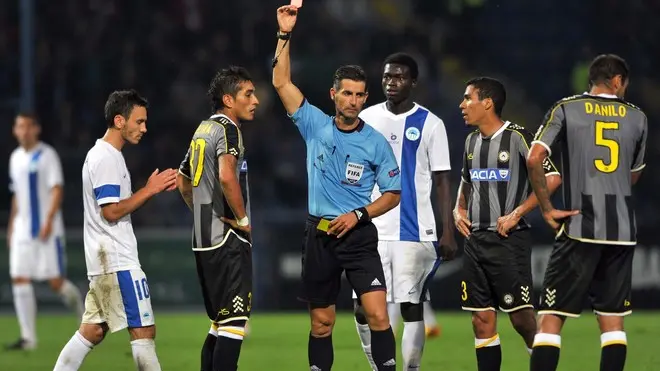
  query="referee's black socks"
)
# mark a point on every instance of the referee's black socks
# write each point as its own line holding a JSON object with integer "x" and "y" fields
{"x": 320, "y": 353}
{"x": 489, "y": 353}
{"x": 614, "y": 346}
{"x": 383, "y": 349}
{"x": 545, "y": 353}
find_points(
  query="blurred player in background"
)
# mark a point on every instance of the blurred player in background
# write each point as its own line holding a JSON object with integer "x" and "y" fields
{"x": 407, "y": 233}
{"x": 118, "y": 296}
{"x": 345, "y": 159}
{"x": 493, "y": 199}
{"x": 35, "y": 233}
{"x": 214, "y": 184}
{"x": 602, "y": 142}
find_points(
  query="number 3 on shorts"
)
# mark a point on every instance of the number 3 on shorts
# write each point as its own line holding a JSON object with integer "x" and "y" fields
{"x": 464, "y": 295}
{"x": 197, "y": 147}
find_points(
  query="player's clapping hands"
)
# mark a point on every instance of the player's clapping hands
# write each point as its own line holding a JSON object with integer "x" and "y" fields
{"x": 160, "y": 181}
{"x": 286, "y": 17}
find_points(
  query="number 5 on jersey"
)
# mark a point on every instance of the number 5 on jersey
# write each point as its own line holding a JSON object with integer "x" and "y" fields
{"x": 197, "y": 147}
{"x": 610, "y": 144}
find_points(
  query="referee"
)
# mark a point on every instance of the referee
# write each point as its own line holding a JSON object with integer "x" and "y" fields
{"x": 493, "y": 198}
{"x": 346, "y": 158}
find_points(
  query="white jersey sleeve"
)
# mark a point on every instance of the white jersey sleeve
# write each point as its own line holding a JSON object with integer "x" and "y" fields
{"x": 53, "y": 174}
{"x": 438, "y": 145}
{"x": 106, "y": 179}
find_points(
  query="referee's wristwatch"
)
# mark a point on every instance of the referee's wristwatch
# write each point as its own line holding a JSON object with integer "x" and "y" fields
{"x": 244, "y": 222}
{"x": 283, "y": 35}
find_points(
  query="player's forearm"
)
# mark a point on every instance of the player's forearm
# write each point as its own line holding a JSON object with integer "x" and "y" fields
{"x": 553, "y": 182}
{"x": 184, "y": 186}
{"x": 56, "y": 197}
{"x": 538, "y": 181}
{"x": 232, "y": 192}
{"x": 12, "y": 214}
{"x": 115, "y": 211}
{"x": 386, "y": 202}
{"x": 444, "y": 203}
{"x": 463, "y": 196}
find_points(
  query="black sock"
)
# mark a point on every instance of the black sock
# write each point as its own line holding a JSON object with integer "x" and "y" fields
{"x": 613, "y": 357}
{"x": 207, "y": 352}
{"x": 383, "y": 349}
{"x": 226, "y": 353}
{"x": 544, "y": 358}
{"x": 489, "y": 358}
{"x": 320, "y": 353}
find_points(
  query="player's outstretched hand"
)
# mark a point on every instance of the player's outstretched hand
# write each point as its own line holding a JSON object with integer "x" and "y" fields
{"x": 507, "y": 222}
{"x": 342, "y": 224}
{"x": 448, "y": 246}
{"x": 161, "y": 181}
{"x": 234, "y": 224}
{"x": 555, "y": 217}
{"x": 286, "y": 17}
{"x": 462, "y": 222}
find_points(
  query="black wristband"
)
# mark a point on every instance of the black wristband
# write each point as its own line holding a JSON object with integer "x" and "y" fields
{"x": 283, "y": 35}
{"x": 362, "y": 215}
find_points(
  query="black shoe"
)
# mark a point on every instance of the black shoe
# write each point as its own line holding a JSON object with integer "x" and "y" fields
{"x": 20, "y": 344}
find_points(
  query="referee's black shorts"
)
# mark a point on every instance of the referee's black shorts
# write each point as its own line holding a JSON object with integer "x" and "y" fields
{"x": 325, "y": 257}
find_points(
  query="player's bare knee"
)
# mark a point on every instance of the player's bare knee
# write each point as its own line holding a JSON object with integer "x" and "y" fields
{"x": 484, "y": 324}
{"x": 411, "y": 312}
{"x": 56, "y": 284}
{"x": 550, "y": 323}
{"x": 323, "y": 320}
{"x": 377, "y": 318}
{"x": 20, "y": 280}
{"x": 94, "y": 333}
{"x": 360, "y": 316}
{"x": 610, "y": 323}
{"x": 148, "y": 332}
{"x": 523, "y": 320}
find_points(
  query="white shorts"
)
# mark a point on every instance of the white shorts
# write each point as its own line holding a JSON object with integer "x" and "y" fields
{"x": 36, "y": 259}
{"x": 120, "y": 300}
{"x": 409, "y": 268}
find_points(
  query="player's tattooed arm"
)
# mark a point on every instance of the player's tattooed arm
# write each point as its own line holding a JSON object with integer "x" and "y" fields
{"x": 537, "y": 179}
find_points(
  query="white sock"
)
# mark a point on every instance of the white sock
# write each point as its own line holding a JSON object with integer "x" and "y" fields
{"x": 412, "y": 344}
{"x": 529, "y": 351}
{"x": 73, "y": 354}
{"x": 144, "y": 355}
{"x": 365, "y": 339}
{"x": 72, "y": 297}
{"x": 429, "y": 316}
{"x": 26, "y": 310}
{"x": 394, "y": 312}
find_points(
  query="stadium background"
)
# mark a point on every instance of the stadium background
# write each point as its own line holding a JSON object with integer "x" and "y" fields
{"x": 62, "y": 58}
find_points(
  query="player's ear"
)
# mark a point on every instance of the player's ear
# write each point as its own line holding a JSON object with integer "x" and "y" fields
{"x": 119, "y": 121}
{"x": 333, "y": 92}
{"x": 414, "y": 83}
{"x": 228, "y": 100}
{"x": 488, "y": 103}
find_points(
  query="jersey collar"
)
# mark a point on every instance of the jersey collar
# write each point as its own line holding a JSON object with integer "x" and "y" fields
{"x": 611, "y": 96}
{"x": 498, "y": 132}
{"x": 414, "y": 109}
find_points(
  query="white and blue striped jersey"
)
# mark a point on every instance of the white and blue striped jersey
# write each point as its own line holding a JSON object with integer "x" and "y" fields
{"x": 419, "y": 141}
{"x": 32, "y": 176}
{"x": 109, "y": 247}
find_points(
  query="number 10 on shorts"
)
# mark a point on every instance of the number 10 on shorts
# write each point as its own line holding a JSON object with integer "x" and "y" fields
{"x": 141, "y": 288}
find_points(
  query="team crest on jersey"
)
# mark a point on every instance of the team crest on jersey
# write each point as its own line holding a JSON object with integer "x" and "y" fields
{"x": 503, "y": 157}
{"x": 412, "y": 134}
{"x": 354, "y": 172}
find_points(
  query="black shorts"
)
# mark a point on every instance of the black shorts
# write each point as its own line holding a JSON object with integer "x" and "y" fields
{"x": 497, "y": 272}
{"x": 225, "y": 274}
{"x": 578, "y": 270}
{"x": 325, "y": 257}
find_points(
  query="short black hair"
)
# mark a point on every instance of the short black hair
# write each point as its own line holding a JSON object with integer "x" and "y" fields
{"x": 489, "y": 87}
{"x": 122, "y": 102}
{"x": 605, "y": 67}
{"x": 29, "y": 115}
{"x": 404, "y": 60}
{"x": 349, "y": 72}
{"x": 226, "y": 81}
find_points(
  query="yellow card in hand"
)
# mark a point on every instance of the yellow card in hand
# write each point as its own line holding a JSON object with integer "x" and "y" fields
{"x": 323, "y": 225}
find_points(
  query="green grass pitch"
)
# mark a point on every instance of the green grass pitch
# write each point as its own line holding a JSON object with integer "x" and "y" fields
{"x": 279, "y": 342}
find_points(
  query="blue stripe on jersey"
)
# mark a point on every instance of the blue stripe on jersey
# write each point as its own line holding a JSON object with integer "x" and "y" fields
{"x": 60, "y": 256}
{"x": 33, "y": 185}
{"x": 409, "y": 228}
{"x": 106, "y": 190}
{"x": 129, "y": 297}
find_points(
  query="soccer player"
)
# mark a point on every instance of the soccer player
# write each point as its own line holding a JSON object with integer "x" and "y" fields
{"x": 118, "y": 296}
{"x": 407, "y": 233}
{"x": 602, "y": 141}
{"x": 36, "y": 229}
{"x": 213, "y": 182}
{"x": 345, "y": 159}
{"x": 493, "y": 198}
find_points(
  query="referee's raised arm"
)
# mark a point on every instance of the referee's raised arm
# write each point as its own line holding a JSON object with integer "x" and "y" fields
{"x": 290, "y": 95}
